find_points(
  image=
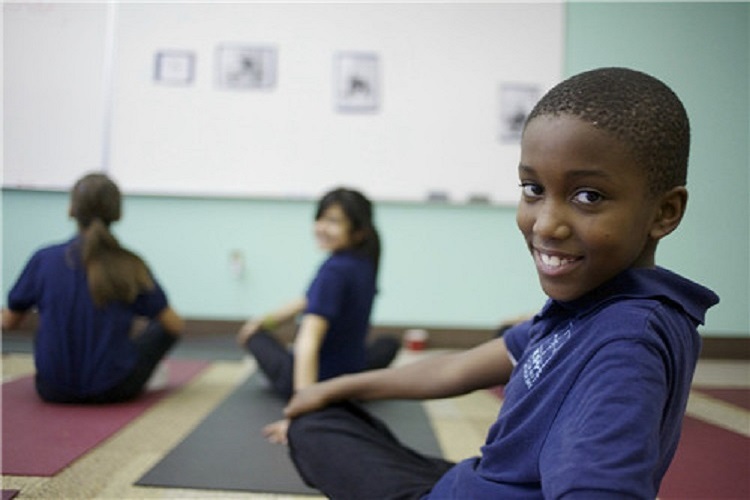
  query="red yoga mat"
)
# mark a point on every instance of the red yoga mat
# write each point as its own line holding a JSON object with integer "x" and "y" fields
{"x": 736, "y": 397}
{"x": 40, "y": 439}
{"x": 710, "y": 463}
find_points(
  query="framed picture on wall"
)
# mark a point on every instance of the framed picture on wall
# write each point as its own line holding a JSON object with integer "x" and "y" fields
{"x": 515, "y": 102}
{"x": 174, "y": 67}
{"x": 356, "y": 81}
{"x": 246, "y": 67}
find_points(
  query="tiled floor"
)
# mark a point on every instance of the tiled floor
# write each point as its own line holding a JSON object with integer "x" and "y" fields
{"x": 459, "y": 423}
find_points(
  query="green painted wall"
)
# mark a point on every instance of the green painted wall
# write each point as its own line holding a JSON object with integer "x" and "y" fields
{"x": 461, "y": 265}
{"x": 702, "y": 51}
{"x": 442, "y": 265}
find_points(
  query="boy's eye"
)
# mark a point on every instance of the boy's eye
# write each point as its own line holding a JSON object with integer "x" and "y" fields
{"x": 588, "y": 197}
{"x": 531, "y": 190}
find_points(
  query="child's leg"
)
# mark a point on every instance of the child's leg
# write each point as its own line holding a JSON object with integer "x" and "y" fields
{"x": 382, "y": 351}
{"x": 152, "y": 345}
{"x": 50, "y": 395}
{"x": 274, "y": 360}
{"x": 347, "y": 453}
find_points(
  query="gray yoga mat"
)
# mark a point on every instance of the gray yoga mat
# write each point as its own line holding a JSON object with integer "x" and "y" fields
{"x": 228, "y": 452}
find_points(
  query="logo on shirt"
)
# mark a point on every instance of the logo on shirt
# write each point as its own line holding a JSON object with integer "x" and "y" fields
{"x": 542, "y": 355}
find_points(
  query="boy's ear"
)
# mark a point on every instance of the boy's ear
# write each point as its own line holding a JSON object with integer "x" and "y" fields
{"x": 669, "y": 212}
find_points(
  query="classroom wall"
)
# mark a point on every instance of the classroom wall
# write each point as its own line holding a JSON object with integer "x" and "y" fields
{"x": 702, "y": 51}
{"x": 291, "y": 138}
{"x": 461, "y": 266}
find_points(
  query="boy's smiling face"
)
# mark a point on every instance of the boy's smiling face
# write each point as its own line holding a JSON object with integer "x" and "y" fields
{"x": 585, "y": 211}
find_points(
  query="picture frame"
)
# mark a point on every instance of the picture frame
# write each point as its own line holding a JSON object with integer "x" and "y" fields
{"x": 356, "y": 82}
{"x": 174, "y": 67}
{"x": 246, "y": 67}
{"x": 515, "y": 102}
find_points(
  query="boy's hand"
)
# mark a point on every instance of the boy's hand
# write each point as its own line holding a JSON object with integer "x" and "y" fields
{"x": 276, "y": 431}
{"x": 309, "y": 399}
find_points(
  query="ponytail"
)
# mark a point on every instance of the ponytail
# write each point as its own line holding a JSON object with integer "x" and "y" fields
{"x": 370, "y": 246}
{"x": 113, "y": 272}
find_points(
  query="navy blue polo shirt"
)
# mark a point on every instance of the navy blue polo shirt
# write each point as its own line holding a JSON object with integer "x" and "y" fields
{"x": 343, "y": 292}
{"x": 595, "y": 402}
{"x": 79, "y": 348}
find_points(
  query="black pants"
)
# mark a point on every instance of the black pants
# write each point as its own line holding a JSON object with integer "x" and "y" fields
{"x": 277, "y": 363}
{"x": 152, "y": 345}
{"x": 346, "y": 453}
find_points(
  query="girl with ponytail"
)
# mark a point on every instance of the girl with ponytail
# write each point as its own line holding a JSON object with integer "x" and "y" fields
{"x": 87, "y": 292}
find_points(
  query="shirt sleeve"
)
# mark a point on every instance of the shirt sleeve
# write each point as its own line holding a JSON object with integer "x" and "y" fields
{"x": 150, "y": 303}
{"x": 25, "y": 293}
{"x": 326, "y": 293}
{"x": 608, "y": 427}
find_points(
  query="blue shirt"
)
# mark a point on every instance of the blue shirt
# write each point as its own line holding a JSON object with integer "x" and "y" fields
{"x": 594, "y": 405}
{"x": 343, "y": 292}
{"x": 79, "y": 348}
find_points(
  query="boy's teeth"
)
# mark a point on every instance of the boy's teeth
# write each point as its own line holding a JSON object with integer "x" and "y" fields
{"x": 552, "y": 260}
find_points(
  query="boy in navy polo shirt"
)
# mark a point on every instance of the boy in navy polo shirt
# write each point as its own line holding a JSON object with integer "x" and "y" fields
{"x": 596, "y": 383}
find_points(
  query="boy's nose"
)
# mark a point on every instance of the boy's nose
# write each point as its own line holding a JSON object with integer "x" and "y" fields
{"x": 551, "y": 222}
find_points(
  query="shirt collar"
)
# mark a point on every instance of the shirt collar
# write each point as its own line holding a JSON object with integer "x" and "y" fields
{"x": 642, "y": 283}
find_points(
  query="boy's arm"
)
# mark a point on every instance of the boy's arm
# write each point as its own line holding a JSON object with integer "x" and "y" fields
{"x": 436, "y": 377}
{"x": 608, "y": 441}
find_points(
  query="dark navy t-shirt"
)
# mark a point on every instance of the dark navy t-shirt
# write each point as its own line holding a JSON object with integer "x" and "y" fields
{"x": 343, "y": 292}
{"x": 595, "y": 402}
{"x": 79, "y": 349}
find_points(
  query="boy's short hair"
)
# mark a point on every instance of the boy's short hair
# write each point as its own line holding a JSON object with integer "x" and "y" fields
{"x": 638, "y": 109}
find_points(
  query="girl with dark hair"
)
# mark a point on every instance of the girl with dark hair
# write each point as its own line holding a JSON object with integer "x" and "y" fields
{"x": 331, "y": 339}
{"x": 87, "y": 292}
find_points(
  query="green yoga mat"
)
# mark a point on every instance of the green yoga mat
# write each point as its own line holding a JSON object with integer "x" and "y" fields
{"x": 228, "y": 452}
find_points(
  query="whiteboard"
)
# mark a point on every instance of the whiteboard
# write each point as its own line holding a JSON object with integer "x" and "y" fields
{"x": 435, "y": 130}
{"x": 53, "y": 92}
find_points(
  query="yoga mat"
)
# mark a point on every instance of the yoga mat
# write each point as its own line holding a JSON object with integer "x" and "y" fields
{"x": 227, "y": 451}
{"x": 710, "y": 462}
{"x": 40, "y": 439}
{"x": 737, "y": 397}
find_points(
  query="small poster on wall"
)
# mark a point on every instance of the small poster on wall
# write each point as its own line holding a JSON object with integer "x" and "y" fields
{"x": 245, "y": 66}
{"x": 515, "y": 102}
{"x": 174, "y": 67}
{"x": 356, "y": 81}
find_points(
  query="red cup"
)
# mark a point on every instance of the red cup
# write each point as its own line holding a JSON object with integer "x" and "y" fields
{"x": 415, "y": 339}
